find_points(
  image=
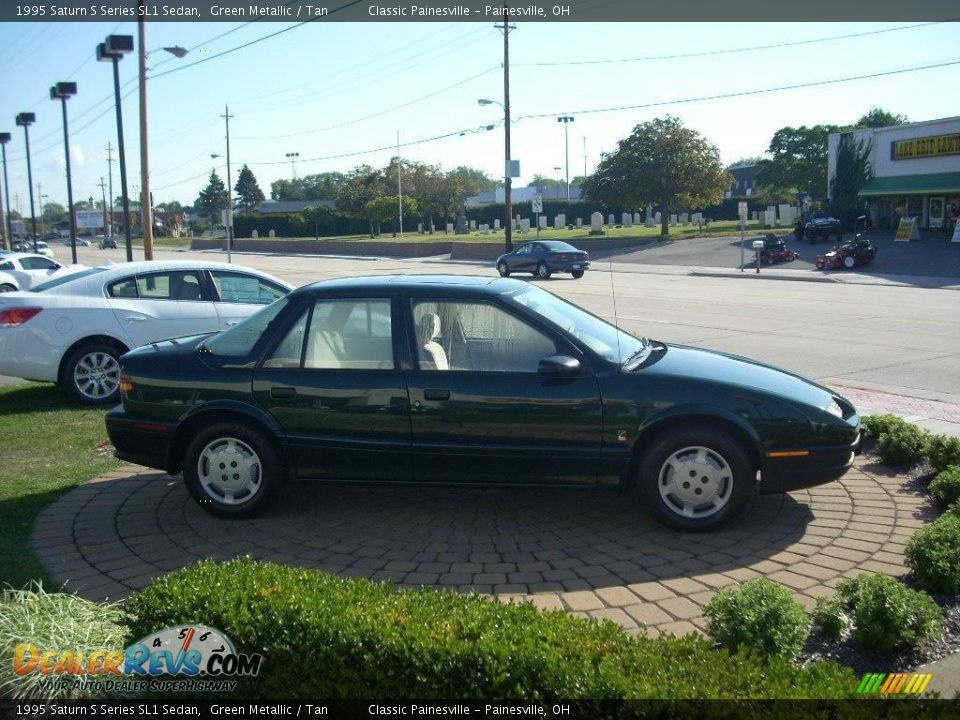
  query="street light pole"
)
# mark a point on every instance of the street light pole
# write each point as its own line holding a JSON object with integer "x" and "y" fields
{"x": 112, "y": 197}
{"x": 292, "y": 156}
{"x": 103, "y": 195}
{"x": 508, "y": 179}
{"x": 146, "y": 209}
{"x": 226, "y": 116}
{"x": 111, "y": 51}
{"x": 61, "y": 91}
{"x": 25, "y": 120}
{"x": 556, "y": 189}
{"x": 566, "y": 120}
{"x": 4, "y": 139}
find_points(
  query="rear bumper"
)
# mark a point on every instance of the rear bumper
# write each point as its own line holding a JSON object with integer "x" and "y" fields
{"x": 139, "y": 440}
{"x": 797, "y": 471}
{"x": 570, "y": 265}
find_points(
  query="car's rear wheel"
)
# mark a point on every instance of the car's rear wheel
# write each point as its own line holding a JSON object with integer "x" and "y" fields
{"x": 92, "y": 374}
{"x": 849, "y": 262}
{"x": 697, "y": 479}
{"x": 543, "y": 272}
{"x": 232, "y": 470}
{"x": 7, "y": 287}
{"x": 577, "y": 274}
{"x": 503, "y": 269}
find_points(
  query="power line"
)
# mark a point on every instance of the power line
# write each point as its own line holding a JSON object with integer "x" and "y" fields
{"x": 743, "y": 93}
{"x": 729, "y": 51}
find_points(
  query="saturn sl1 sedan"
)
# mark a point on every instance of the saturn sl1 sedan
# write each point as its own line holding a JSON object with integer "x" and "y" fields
{"x": 489, "y": 381}
{"x": 72, "y": 329}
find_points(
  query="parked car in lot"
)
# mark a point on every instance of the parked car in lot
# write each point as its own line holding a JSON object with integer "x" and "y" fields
{"x": 21, "y": 271}
{"x": 81, "y": 242}
{"x": 73, "y": 329}
{"x": 107, "y": 242}
{"x": 543, "y": 258}
{"x": 822, "y": 228}
{"x": 452, "y": 379}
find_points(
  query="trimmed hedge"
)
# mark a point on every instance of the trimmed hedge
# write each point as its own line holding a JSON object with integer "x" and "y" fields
{"x": 886, "y": 614}
{"x": 325, "y": 636}
{"x": 876, "y": 425}
{"x": 933, "y": 553}
{"x": 943, "y": 451}
{"x": 902, "y": 445}
{"x": 945, "y": 487}
{"x": 759, "y": 615}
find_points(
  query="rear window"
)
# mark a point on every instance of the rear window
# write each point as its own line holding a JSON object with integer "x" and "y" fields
{"x": 65, "y": 279}
{"x": 557, "y": 245}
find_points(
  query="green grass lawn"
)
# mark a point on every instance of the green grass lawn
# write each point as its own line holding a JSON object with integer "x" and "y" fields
{"x": 49, "y": 445}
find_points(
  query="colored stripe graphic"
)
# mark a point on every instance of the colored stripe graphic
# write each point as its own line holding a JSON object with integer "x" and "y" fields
{"x": 894, "y": 683}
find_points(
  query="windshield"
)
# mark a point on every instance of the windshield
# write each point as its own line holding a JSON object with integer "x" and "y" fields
{"x": 601, "y": 337}
{"x": 63, "y": 279}
{"x": 240, "y": 340}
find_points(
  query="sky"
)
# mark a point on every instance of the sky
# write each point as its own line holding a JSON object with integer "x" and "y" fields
{"x": 339, "y": 93}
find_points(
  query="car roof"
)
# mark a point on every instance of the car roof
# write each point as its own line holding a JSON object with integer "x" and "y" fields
{"x": 21, "y": 255}
{"x": 457, "y": 284}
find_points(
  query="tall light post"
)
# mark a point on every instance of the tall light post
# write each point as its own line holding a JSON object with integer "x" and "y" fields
{"x": 584, "y": 157}
{"x": 226, "y": 116}
{"x": 566, "y": 120}
{"x": 112, "y": 50}
{"x": 43, "y": 221}
{"x": 4, "y": 139}
{"x": 146, "y": 198}
{"x": 25, "y": 120}
{"x": 103, "y": 201}
{"x": 61, "y": 91}
{"x": 292, "y": 157}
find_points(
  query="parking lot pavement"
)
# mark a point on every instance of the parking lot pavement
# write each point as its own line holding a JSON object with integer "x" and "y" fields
{"x": 591, "y": 553}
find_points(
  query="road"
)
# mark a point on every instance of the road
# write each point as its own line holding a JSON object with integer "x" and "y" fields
{"x": 903, "y": 340}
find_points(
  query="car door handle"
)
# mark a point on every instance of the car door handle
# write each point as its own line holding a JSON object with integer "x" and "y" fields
{"x": 135, "y": 318}
{"x": 436, "y": 394}
{"x": 283, "y": 393}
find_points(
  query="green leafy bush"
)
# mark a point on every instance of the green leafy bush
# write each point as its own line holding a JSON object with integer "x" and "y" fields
{"x": 901, "y": 445}
{"x": 53, "y": 621}
{"x": 759, "y": 615}
{"x": 876, "y": 425}
{"x": 886, "y": 614}
{"x": 933, "y": 553}
{"x": 829, "y": 614}
{"x": 945, "y": 487}
{"x": 943, "y": 451}
{"x": 331, "y": 637}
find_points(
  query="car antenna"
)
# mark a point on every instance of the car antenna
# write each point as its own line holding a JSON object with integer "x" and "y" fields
{"x": 616, "y": 320}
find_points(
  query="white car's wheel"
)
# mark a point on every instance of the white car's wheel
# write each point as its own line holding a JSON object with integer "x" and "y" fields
{"x": 92, "y": 374}
{"x": 6, "y": 287}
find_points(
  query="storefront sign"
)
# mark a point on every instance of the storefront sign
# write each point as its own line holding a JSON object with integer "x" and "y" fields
{"x": 907, "y": 230}
{"x": 924, "y": 147}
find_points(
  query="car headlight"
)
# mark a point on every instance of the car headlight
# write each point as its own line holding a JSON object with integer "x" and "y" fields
{"x": 833, "y": 407}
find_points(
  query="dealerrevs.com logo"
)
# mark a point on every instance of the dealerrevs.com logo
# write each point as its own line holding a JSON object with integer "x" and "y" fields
{"x": 188, "y": 658}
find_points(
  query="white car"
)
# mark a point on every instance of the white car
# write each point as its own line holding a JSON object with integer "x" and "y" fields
{"x": 23, "y": 271}
{"x": 73, "y": 329}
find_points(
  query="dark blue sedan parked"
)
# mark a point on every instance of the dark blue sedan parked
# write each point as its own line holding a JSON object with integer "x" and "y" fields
{"x": 543, "y": 258}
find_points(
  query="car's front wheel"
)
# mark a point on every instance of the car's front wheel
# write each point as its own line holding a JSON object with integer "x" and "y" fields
{"x": 577, "y": 274}
{"x": 503, "y": 269}
{"x": 232, "y": 470}
{"x": 92, "y": 374}
{"x": 849, "y": 262}
{"x": 7, "y": 287}
{"x": 543, "y": 272}
{"x": 697, "y": 479}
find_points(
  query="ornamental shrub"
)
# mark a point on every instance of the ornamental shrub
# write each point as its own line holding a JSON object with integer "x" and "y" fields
{"x": 886, "y": 614}
{"x": 943, "y": 451}
{"x": 876, "y": 425}
{"x": 759, "y": 615}
{"x": 933, "y": 553}
{"x": 901, "y": 445}
{"x": 945, "y": 487}
{"x": 829, "y": 614}
{"x": 331, "y": 637}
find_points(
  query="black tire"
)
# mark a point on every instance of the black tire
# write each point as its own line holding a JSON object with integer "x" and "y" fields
{"x": 732, "y": 477}
{"x": 543, "y": 272}
{"x": 91, "y": 374}
{"x": 7, "y": 287}
{"x": 577, "y": 274}
{"x": 503, "y": 269}
{"x": 246, "y": 457}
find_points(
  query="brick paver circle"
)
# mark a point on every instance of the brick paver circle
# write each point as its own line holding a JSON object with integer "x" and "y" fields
{"x": 595, "y": 553}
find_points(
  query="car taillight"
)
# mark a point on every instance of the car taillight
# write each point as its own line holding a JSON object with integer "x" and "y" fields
{"x": 562, "y": 256}
{"x": 126, "y": 383}
{"x": 17, "y": 316}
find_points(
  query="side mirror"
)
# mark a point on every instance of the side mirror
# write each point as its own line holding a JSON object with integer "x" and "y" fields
{"x": 559, "y": 366}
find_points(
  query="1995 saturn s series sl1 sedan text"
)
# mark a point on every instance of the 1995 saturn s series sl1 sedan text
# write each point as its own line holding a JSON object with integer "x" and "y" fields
{"x": 438, "y": 379}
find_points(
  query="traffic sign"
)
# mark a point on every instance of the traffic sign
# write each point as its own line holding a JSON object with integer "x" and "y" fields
{"x": 537, "y": 203}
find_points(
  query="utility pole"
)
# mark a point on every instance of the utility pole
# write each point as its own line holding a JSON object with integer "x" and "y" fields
{"x": 566, "y": 120}
{"x": 399, "y": 185}
{"x": 110, "y": 173}
{"x": 226, "y": 116}
{"x": 146, "y": 202}
{"x": 507, "y": 179}
{"x": 43, "y": 224}
{"x": 584, "y": 157}
{"x": 103, "y": 195}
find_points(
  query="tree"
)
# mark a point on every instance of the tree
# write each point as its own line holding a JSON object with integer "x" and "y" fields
{"x": 171, "y": 207}
{"x": 746, "y": 162}
{"x": 213, "y": 198}
{"x": 249, "y": 194}
{"x": 662, "y": 163}
{"x": 878, "y": 117}
{"x": 799, "y": 160}
{"x": 322, "y": 186}
{"x": 364, "y": 184}
{"x": 852, "y": 173}
{"x": 578, "y": 180}
{"x": 474, "y": 181}
{"x": 53, "y": 212}
{"x": 386, "y": 208}
{"x": 286, "y": 190}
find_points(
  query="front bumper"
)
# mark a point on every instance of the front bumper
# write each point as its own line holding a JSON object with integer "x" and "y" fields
{"x": 804, "y": 468}
{"x": 144, "y": 441}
